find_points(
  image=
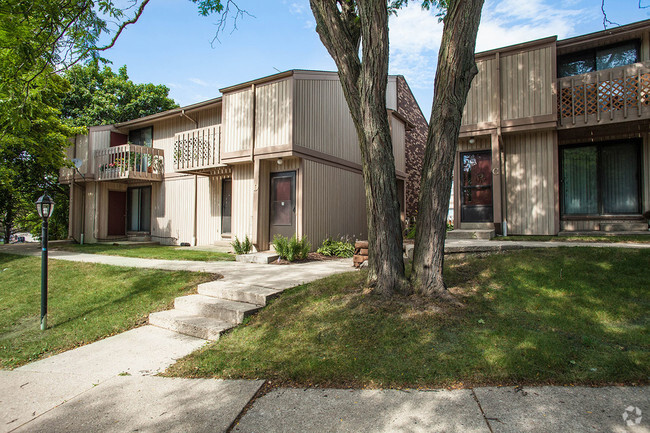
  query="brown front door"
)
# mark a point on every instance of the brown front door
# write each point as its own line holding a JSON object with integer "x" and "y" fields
{"x": 116, "y": 213}
{"x": 283, "y": 204}
{"x": 476, "y": 187}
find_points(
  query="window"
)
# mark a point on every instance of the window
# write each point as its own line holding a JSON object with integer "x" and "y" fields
{"x": 139, "y": 209}
{"x": 601, "y": 179}
{"x": 598, "y": 59}
{"x": 142, "y": 136}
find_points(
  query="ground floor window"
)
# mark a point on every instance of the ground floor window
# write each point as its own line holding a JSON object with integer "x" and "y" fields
{"x": 139, "y": 209}
{"x": 601, "y": 179}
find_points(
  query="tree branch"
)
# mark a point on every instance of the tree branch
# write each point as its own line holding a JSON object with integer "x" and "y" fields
{"x": 123, "y": 26}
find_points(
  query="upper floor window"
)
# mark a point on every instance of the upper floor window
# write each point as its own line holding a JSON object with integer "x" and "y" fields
{"x": 598, "y": 59}
{"x": 142, "y": 136}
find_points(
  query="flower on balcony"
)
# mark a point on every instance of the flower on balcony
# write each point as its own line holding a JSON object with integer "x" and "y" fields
{"x": 108, "y": 166}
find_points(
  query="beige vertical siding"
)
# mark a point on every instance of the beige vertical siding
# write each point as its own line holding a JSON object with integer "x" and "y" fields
{"x": 530, "y": 181}
{"x": 322, "y": 119}
{"x": 237, "y": 126}
{"x": 398, "y": 134}
{"x": 208, "y": 224}
{"x": 273, "y": 114}
{"x": 333, "y": 203}
{"x": 173, "y": 210}
{"x": 480, "y": 143}
{"x": 645, "y": 47}
{"x": 527, "y": 83}
{"x": 242, "y": 200}
{"x": 78, "y": 208}
{"x": 98, "y": 140}
{"x": 482, "y": 99}
{"x": 391, "y": 93}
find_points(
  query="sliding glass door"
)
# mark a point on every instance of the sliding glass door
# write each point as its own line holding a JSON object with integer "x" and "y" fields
{"x": 601, "y": 179}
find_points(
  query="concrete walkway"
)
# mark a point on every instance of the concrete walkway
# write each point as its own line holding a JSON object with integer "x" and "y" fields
{"x": 276, "y": 276}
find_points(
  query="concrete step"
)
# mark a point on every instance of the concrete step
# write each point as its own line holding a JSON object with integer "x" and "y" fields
{"x": 252, "y": 294}
{"x": 221, "y": 309}
{"x": 476, "y": 226}
{"x": 471, "y": 234}
{"x": 263, "y": 258}
{"x": 197, "y": 326}
{"x": 627, "y": 226}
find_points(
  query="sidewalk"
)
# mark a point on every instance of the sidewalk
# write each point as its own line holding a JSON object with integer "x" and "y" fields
{"x": 108, "y": 386}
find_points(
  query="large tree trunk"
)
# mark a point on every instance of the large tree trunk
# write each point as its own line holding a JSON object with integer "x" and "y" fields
{"x": 341, "y": 28}
{"x": 454, "y": 74}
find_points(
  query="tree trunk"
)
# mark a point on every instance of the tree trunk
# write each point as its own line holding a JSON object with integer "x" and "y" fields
{"x": 454, "y": 74}
{"x": 341, "y": 30}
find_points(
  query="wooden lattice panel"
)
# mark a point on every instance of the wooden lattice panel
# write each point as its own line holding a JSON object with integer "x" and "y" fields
{"x": 591, "y": 102}
{"x": 644, "y": 89}
{"x": 565, "y": 102}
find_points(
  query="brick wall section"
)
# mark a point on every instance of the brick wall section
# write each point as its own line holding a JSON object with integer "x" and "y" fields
{"x": 416, "y": 138}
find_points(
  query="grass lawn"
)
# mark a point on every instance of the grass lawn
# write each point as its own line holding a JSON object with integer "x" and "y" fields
{"x": 551, "y": 316}
{"x": 640, "y": 239}
{"x": 164, "y": 252}
{"x": 86, "y": 302}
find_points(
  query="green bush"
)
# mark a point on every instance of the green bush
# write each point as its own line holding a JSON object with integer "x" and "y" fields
{"x": 291, "y": 249}
{"x": 336, "y": 248}
{"x": 242, "y": 247}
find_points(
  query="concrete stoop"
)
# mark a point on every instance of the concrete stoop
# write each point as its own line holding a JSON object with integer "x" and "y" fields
{"x": 486, "y": 234}
{"x": 218, "y": 307}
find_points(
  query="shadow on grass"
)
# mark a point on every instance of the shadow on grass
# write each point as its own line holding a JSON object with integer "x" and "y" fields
{"x": 534, "y": 316}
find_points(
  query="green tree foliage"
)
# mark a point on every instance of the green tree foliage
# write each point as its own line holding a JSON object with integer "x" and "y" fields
{"x": 32, "y": 145}
{"x": 101, "y": 97}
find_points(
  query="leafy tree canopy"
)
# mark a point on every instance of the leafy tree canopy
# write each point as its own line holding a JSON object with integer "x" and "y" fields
{"x": 101, "y": 97}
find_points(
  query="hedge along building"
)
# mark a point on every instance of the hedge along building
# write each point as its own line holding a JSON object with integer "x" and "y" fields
{"x": 554, "y": 136}
{"x": 277, "y": 155}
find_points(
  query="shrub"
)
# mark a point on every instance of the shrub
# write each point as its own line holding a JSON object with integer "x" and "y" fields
{"x": 242, "y": 247}
{"x": 291, "y": 249}
{"x": 336, "y": 248}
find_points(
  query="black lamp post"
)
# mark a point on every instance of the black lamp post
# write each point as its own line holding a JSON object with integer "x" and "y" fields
{"x": 44, "y": 206}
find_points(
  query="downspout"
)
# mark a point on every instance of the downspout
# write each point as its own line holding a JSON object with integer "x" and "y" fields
{"x": 196, "y": 195}
{"x": 196, "y": 124}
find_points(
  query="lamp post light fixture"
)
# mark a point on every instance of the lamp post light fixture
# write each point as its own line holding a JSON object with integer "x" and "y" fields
{"x": 44, "y": 206}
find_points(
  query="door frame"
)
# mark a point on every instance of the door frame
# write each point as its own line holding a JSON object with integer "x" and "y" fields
{"x": 489, "y": 213}
{"x": 223, "y": 181}
{"x": 293, "y": 174}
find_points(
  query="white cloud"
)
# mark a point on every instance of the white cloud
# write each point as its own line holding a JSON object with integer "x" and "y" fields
{"x": 297, "y": 8}
{"x": 198, "y": 82}
{"x": 415, "y": 34}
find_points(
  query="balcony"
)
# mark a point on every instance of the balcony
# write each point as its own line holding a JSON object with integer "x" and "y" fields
{"x": 130, "y": 162}
{"x": 604, "y": 97}
{"x": 198, "y": 151}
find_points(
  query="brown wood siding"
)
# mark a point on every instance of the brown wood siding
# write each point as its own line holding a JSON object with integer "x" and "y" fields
{"x": 322, "y": 119}
{"x": 237, "y": 128}
{"x": 273, "y": 114}
{"x": 333, "y": 203}
{"x": 530, "y": 192}
{"x": 482, "y": 99}
{"x": 527, "y": 83}
{"x": 242, "y": 200}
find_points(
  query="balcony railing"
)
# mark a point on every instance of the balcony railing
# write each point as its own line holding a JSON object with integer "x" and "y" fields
{"x": 611, "y": 95}
{"x": 130, "y": 161}
{"x": 198, "y": 150}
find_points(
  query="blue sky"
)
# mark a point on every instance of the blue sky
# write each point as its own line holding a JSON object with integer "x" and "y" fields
{"x": 171, "y": 43}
